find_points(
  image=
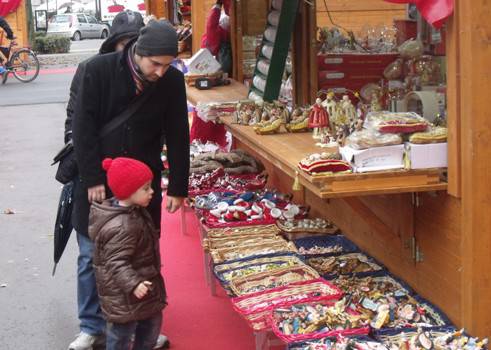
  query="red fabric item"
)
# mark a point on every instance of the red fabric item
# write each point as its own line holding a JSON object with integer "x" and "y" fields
{"x": 126, "y": 175}
{"x": 214, "y": 34}
{"x": 434, "y": 12}
{"x": 207, "y": 131}
{"x": 8, "y": 6}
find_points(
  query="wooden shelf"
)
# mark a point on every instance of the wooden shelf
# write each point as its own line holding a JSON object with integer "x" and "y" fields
{"x": 228, "y": 93}
{"x": 285, "y": 150}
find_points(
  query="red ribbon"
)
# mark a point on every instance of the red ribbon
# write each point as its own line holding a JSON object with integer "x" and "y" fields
{"x": 8, "y": 6}
{"x": 434, "y": 12}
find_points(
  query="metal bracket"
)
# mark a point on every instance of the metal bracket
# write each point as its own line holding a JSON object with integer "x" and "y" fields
{"x": 416, "y": 252}
{"x": 415, "y": 199}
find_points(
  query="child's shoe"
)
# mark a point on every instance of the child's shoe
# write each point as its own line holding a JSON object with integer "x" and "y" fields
{"x": 85, "y": 341}
{"x": 162, "y": 342}
{"x": 2, "y": 70}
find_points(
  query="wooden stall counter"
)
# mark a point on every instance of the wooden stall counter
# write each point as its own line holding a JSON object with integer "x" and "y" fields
{"x": 228, "y": 93}
{"x": 285, "y": 150}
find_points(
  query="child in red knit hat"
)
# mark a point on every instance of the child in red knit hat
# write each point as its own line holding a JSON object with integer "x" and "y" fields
{"x": 126, "y": 257}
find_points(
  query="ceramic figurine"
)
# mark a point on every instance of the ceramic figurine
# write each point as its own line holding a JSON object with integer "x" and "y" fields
{"x": 318, "y": 119}
{"x": 348, "y": 109}
{"x": 330, "y": 105}
{"x": 375, "y": 102}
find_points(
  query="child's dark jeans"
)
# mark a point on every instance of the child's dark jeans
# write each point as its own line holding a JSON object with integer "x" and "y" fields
{"x": 146, "y": 334}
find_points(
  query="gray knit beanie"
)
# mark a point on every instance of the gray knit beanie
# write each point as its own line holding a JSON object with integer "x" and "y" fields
{"x": 157, "y": 38}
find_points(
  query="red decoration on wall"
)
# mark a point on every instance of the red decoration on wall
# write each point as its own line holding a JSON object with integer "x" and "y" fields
{"x": 434, "y": 12}
{"x": 8, "y": 6}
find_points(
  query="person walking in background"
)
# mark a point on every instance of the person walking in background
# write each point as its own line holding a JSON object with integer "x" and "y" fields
{"x": 217, "y": 36}
{"x": 125, "y": 27}
{"x": 10, "y": 35}
{"x": 126, "y": 257}
{"x": 113, "y": 83}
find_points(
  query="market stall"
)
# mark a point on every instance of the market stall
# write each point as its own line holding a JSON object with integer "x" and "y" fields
{"x": 430, "y": 227}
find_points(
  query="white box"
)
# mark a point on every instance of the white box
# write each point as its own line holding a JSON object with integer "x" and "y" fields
{"x": 432, "y": 155}
{"x": 375, "y": 158}
{"x": 203, "y": 62}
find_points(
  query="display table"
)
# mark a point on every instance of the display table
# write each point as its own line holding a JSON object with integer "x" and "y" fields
{"x": 228, "y": 93}
{"x": 285, "y": 150}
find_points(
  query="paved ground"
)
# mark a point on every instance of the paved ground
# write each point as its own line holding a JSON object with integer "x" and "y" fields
{"x": 38, "y": 311}
{"x": 47, "y": 88}
{"x": 86, "y": 45}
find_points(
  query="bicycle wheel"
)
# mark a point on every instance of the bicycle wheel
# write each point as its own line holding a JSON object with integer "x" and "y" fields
{"x": 24, "y": 65}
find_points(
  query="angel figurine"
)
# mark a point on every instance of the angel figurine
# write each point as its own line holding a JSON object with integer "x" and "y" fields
{"x": 318, "y": 119}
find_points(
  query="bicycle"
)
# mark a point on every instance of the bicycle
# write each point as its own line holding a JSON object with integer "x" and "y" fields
{"x": 22, "y": 63}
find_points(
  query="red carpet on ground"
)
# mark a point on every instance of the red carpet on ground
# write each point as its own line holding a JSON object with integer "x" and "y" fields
{"x": 194, "y": 319}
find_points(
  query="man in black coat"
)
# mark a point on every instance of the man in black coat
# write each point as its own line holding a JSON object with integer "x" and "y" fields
{"x": 102, "y": 88}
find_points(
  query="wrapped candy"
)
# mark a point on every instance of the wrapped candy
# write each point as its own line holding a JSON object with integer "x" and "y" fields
{"x": 411, "y": 49}
{"x": 394, "y": 70}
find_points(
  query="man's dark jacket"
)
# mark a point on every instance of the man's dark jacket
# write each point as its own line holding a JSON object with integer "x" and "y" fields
{"x": 106, "y": 89}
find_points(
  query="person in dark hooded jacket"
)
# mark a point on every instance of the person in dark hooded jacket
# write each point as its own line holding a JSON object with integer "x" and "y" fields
{"x": 125, "y": 27}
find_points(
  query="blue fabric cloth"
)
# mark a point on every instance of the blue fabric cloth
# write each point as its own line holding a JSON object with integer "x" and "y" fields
{"x": 146, "y": 334}
{"x": 89, "y": 310}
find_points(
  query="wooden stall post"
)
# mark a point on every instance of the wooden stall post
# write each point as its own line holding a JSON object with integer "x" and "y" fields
{"x": 475, "y": 83}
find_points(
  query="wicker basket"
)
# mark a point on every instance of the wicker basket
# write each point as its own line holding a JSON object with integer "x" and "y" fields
{"x": 224, "y": 254}
{"x": 239, "y": 263}
{"x": 272, "y": 279}
{"x": 324, "y": 261}
{"x": 250, "y": 269}
{"x": 278, "y": 314}
{"x": 255, "y": 308}
{"x": 242, "y": 231}
{"x": 237, "y": 241}
{"x": 330, "y": 230}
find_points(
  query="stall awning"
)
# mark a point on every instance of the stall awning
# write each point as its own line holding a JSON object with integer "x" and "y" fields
{"x": 8, "y": 6}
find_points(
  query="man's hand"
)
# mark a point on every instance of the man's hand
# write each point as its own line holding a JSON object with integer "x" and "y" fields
{"x": 97, "y": 193}
{"x": 174, "y": 203}
{"x": 142, "y": 289}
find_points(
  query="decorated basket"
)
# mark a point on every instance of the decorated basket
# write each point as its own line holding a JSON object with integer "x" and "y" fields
{"x": 307, "y": 226}
{"x": 251, "y": 260}
{"x": 210, "y": 244}
{"x": 272, "y": 279}
{"x": 392, "y": 312}
{"x": 225, "y": 276}
{"x": 257, "y": 230}
{"x": 200, "y": 184}
{"x": 338, "y": 342}
{"x": 380, "y": 282}
{"x": 444, "y": 338}
{"x": 255, "y": 308}
{"x": 332, "y": 266}
{"x": 316, "y": 320}
{"x": 332, "y": 244}
{"x": 270, "y": 247}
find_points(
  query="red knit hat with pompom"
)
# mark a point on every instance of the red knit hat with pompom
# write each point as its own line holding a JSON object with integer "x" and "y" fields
{"x": 126, "y": 175}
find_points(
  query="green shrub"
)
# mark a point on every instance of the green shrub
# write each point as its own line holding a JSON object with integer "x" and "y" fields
{"x": 51, "y": 44}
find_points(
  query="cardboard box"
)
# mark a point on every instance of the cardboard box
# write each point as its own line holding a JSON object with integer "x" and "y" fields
{"x": 374, "y": 159}
{"x": 433, "y": 155}
{"x": 203, "y": 62}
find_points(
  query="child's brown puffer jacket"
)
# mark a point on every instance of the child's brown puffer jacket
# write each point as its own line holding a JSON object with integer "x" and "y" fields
{"x": 126, "y": 254}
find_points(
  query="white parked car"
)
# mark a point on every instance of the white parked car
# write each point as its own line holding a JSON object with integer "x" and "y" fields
{"x": 77, "y": 26}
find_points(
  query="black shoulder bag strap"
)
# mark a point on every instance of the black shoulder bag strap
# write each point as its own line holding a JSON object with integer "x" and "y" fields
{"x": 126, "y": 114}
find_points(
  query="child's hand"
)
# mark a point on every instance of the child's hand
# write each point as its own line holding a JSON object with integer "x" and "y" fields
{"x": 142, "y": 289}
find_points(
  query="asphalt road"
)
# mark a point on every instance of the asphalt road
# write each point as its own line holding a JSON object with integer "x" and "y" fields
{"x": 86, "y": 45}
{"x": 48, "y": 87}
{"x": 37, "y": 311}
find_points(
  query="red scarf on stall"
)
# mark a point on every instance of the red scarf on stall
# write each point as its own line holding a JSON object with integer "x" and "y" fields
{"x": 434, "y": 12}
